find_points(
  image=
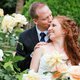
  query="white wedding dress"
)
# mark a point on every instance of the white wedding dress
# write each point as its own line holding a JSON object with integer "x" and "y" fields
{"x": 44, "y": 67}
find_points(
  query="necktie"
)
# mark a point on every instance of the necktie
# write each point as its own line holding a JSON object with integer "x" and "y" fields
{"x": 42, "y": 34}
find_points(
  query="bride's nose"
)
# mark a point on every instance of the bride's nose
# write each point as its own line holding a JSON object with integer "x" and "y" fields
{"x": 50, "y": 28}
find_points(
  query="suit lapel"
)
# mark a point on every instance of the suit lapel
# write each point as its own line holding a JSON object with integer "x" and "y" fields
{"x": 34, "y": 36}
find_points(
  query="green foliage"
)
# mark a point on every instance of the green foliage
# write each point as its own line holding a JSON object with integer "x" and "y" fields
{"x": 69, "y": 8}
{"x": 7, "y": 71}
{"x": 8, "y": 41}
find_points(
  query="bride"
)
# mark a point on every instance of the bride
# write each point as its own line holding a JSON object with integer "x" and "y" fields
{"x": 63, "y": 34}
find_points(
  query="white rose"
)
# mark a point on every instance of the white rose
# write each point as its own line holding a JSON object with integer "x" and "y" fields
{"x": 1, "y": 12}
{"x": 20, "y": 19}
{"x": 1, "y": 55}
{"x": 8, "y": 23}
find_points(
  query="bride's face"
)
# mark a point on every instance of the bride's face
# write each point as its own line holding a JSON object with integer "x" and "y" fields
{"x": 55, "y": 30}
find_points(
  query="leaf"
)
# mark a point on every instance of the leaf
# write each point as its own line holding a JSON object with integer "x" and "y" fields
{"x": 6, "y": 77}
{"x": 17, "y": 58}
{"x": 19, "y": 76}
{"x": 8, "y": 64}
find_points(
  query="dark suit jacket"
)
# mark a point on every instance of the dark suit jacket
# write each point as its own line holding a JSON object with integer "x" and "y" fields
{"x": 28, "y": 39}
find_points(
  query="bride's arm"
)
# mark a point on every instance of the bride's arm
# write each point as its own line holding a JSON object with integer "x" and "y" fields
{"x": 35, "y": 59}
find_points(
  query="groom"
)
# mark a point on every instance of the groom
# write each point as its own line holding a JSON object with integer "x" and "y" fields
{"x": 42, "y": 17}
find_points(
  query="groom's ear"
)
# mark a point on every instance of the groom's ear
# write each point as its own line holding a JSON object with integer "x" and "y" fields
{"x": 35, "y": 21}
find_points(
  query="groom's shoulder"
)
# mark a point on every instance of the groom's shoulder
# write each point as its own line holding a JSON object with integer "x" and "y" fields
{"x": 28, "y": 32}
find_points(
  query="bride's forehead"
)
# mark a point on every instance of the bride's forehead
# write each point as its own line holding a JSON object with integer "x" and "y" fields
{"x": 55, "y": 21}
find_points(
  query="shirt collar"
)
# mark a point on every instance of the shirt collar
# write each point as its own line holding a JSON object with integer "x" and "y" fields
{"x": 38, "y": 31}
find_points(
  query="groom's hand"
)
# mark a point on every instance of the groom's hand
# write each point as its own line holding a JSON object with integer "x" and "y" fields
{"x": 39, "y": 44}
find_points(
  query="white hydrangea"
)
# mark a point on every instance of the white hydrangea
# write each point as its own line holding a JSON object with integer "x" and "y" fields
{"x": 1, "y": 55}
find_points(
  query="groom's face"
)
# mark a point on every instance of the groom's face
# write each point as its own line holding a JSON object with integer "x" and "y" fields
{"x": 44, "y": 18}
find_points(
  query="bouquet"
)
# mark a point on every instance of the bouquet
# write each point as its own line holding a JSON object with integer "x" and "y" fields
{"x": 60, "y": 70}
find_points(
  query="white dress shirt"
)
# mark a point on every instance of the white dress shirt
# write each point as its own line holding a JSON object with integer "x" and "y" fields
{"x": 39, "y": 37}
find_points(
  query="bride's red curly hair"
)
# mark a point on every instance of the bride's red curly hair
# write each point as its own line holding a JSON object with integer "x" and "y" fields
{"x": 71, "y": 44}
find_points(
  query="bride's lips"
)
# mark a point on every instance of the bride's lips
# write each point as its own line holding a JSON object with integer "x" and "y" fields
{"x": 49, "y": 34}
{"x": 50, "y": 31}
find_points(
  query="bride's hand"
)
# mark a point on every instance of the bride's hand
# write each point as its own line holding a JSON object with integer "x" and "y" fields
{"x": 39, "y": 44}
